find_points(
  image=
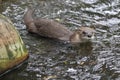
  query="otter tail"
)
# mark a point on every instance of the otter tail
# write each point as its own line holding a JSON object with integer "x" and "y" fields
{"x": 29, "y": 21}
{"x": 28, "y": 16}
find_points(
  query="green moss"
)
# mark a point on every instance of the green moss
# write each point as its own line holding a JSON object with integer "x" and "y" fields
{"x": 14, "y": 50}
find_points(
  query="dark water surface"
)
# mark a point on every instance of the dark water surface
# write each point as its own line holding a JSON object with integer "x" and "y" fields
{"x": 53, "y": 60}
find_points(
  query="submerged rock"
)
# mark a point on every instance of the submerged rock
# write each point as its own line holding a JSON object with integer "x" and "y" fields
{"x": 12, "y": 49}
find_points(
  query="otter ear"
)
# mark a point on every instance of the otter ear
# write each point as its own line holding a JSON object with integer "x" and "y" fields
{"x": 79, "y": 30}
{"x": 93, "y": 27}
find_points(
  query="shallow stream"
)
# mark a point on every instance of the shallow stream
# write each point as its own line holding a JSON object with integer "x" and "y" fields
{"x": 55, "y": 60}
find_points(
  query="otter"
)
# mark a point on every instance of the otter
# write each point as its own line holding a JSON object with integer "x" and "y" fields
{"x": 53, "y": 29}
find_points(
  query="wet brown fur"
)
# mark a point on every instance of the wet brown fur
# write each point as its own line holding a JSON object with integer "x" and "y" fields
{"x": 51, "y": 29}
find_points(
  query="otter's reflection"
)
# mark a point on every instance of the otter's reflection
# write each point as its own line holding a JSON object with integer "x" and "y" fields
{"x": 84, "y": 49}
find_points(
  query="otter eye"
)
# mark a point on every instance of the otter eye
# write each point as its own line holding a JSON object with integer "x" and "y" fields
{"x": 84, "y": 32}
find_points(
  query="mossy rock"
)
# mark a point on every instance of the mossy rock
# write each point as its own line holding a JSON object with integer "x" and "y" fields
{"x": 12, "y": 49}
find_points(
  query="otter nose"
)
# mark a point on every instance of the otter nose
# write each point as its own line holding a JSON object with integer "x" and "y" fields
{"x": 89, "y": 35}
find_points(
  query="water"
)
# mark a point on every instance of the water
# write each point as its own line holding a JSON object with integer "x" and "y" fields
{"x": 50, "y": 59}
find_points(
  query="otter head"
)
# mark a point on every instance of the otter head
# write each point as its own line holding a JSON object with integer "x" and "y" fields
{"x": 82, "y": 34}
